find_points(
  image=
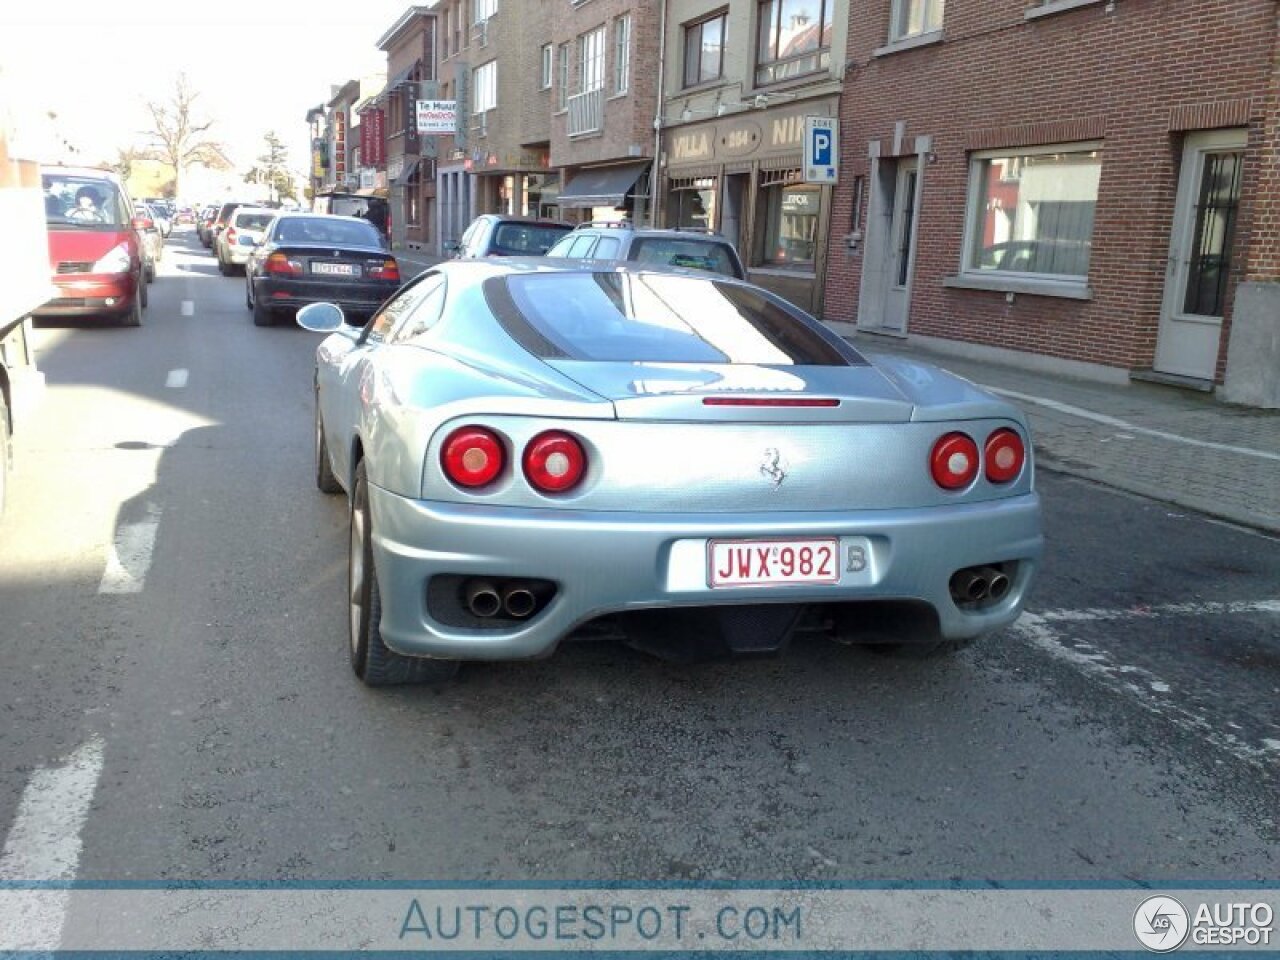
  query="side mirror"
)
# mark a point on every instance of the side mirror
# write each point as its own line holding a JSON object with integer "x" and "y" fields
{"x": 452, "y": 246}
{"x": 322, "y": 318}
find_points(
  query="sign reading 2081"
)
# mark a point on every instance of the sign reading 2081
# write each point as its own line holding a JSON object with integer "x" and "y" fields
{"x": 821, "y": 149}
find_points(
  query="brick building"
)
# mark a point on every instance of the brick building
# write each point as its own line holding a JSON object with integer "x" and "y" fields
{"x": 410, "y": 46}
{"x": 1092, "y": 184}
{"x": 597, "y": 72}
{"x": 739, "y": 80}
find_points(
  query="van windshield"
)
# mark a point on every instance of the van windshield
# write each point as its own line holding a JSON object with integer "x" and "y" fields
{"x": 78, "y": 202}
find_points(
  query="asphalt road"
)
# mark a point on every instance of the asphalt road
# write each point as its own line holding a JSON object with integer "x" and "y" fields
{"x": 172, "y": 620}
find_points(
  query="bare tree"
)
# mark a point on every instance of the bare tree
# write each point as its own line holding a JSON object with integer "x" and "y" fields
{"x": 126, "y": 159}
{"x": 180, "y": 139}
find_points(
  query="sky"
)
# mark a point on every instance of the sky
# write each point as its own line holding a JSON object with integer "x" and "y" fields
{"x": 256, "y": 66}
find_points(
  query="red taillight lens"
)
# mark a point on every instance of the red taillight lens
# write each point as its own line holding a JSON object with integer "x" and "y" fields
{"x": 554, "y": 462}
{"x": 472, "y": 456}
{"x": 231, "y": 234}
{"x": 954, "y": 462}
{"x": 279, "y": 263}
{"x": 385, "y": 270}
{"x": 1004, "y": 455}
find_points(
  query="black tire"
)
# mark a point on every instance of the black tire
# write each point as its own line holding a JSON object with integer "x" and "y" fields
{"x": 6, "y": 452}
{"x": 262, "y": 317}
{"x": 143, "y": 295}
{"x": 134, "y": 317}
{"x": 248, "y": 293}
{"x": 151, "y": 272}
{"x": 224, "y": 268}
{"x": 326, "y": 481}
{"x": 372, "y": 660}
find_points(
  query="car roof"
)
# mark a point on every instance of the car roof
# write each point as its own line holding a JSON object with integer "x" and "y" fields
{"x": 309, "y": 215}
{"x": 516, "y": 218}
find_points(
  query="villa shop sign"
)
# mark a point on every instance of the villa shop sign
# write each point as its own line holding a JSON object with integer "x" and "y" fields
{"x": 783, "y": 133}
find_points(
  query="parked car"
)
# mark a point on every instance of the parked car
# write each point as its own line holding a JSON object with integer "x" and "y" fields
{"x": 221, "y": 217}
{"x": 152, "y": 240}
{"x": 309, "y": 257}
{"x": 245, "y": 229}
{"x": 95, "y": 246}
{"x": 605, "y": 240}
{"x": 529, "y": 445}
{"x": 204, "y": 225}
{"x": 497, "y": 235}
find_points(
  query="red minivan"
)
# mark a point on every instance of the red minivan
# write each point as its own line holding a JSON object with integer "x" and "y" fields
{"x": 95, "y": 250}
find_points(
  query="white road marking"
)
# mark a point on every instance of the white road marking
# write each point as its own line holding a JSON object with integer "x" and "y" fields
{"x": 1116, "y": 422}
{"x": 1163, "y": 610}
{"x": 1139, "y": 683}
{"x": 129, "y": 556}
{"x": 44, "y": 844}
{"x": 188, "y": 308}
{"x": 177, "y": 379}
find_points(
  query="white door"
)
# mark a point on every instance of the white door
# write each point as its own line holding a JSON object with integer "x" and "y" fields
{"x": 901, "y": 235}
{"x": 1204, "y": 221}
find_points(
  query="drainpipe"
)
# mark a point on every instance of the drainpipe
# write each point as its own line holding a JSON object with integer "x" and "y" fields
{"x": 657, "y": 117}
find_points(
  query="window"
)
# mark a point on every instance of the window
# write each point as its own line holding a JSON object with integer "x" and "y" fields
{"x": 545, "y": 81}
{"x": 485, "y": 86}
{"x": 484, "y": 9}
{"x": 692, "y": 202}
{"x": 790, "y": 211}
{"x": 562, "y": 94}
{"x": 704, "y": 50}
{"x": 404, "y": 304}
{"x": 591, "y": 60}
{"x": 1032, "y": 214}
{"x": 622, "y": 54}
{"x": 794, "y": 38}
{"x": 413, "y": 197}
{"x": 911, "y": 18}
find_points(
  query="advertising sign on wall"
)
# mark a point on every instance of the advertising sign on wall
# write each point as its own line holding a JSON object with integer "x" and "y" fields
{"x": 437, "y": 117}
{"x": 340, "y": 144}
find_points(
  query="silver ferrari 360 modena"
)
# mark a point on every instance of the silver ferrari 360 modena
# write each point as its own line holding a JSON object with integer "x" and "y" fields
{"x": 529, "y": 446}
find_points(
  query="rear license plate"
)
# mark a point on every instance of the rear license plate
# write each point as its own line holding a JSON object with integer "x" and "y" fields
{"x": 753, "y": 563}
{"x": 334, "y": 269}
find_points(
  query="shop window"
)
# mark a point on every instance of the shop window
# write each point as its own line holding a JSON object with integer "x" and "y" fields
{"x": 692, "y": 202}
{"x": 789, "y": 219}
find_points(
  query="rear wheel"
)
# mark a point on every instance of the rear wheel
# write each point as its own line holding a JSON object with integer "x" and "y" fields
{"x": 262, "y": 317}
{"x": 371, "y": 659}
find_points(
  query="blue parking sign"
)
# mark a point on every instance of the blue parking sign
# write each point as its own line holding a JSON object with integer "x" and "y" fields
{"x": 821, "y": 149}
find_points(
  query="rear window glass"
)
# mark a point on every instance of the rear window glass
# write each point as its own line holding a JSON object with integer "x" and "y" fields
{"x": 82, "y": 202}
{"x": 690, "y": 253}
{"x": 654, "y": 318}
{"x": 254, "y": 221}
{"x": 526, "y": 238}
{"x": 326, "y": 230}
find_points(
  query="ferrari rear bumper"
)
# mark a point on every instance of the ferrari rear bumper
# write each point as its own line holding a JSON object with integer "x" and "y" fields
{"x": 608, "y": 562}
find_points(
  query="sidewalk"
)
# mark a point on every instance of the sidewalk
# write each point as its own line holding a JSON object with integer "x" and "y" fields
{"x": 1172, "y": 445}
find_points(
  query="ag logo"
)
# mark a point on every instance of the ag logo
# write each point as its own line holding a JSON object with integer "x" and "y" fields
{"x": 1161, "y": 924}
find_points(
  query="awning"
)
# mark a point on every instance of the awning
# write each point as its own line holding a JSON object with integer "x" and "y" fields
{"x": 396, "y": 81}
{"x": 601, "y": 186}
{"x": 407, "y": 172}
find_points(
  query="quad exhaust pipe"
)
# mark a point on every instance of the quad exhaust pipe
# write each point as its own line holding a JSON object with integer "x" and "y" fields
{"x": 485, "y": 599}
{"x": 976, "y": 584}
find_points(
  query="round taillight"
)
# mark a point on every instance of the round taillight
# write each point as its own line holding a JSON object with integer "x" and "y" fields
{"x": 1004, "y": 456}
{"x": 554, "y": 462}
{"x": 954, "y": 462}
{"x": 472, "y": 456}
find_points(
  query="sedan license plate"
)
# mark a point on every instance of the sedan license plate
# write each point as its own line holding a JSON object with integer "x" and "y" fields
{"x": 334, "y": 269}
{"x": 753, "y": 563}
